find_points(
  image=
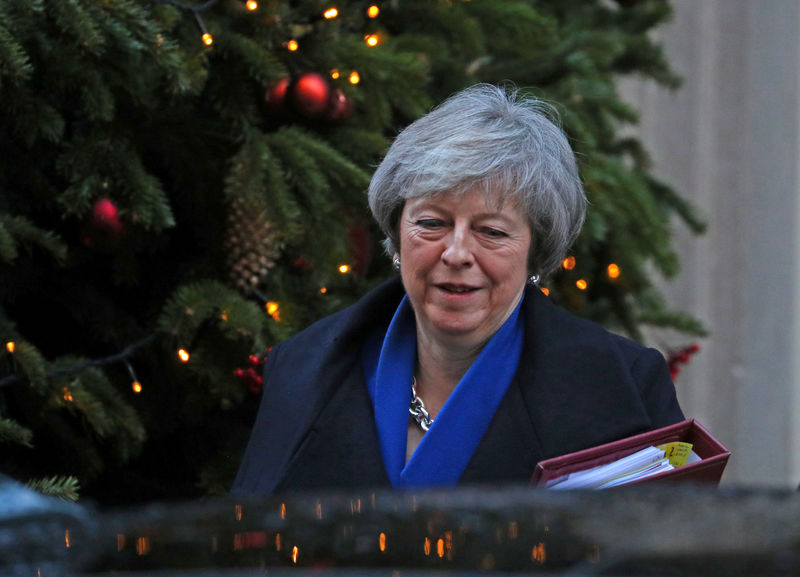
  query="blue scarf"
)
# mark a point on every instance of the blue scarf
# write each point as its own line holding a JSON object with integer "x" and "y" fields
{"x": 447, "y": 447}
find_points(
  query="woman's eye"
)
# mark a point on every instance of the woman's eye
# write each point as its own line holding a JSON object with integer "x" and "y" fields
{"x": 493, "y": 232}
{"x": 430, "y": 223}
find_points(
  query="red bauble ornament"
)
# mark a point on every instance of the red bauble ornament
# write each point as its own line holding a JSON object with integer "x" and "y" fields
{"x": 309, "y": 94}
{"x": 275, "y": 94}
{"x": 339, "y": 108}
{"x": 104, "y": 227}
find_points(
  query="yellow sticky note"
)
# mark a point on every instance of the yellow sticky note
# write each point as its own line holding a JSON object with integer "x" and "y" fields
{"x": 677, "y": 452}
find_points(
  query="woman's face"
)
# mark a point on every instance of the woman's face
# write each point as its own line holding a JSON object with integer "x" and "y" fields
{"x": 464, "y": 264}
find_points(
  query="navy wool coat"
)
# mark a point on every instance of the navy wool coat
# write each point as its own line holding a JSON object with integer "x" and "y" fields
{"x": 577, "y": 385}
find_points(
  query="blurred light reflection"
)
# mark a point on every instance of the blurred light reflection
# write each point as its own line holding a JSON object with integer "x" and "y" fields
{"x": 539, "y": 553}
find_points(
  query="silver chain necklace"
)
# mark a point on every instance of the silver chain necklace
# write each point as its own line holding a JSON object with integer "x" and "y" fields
{"x": 417, "y": 408}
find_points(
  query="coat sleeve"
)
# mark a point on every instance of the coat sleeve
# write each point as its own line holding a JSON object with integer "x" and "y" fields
{"x": 657, "y": 390}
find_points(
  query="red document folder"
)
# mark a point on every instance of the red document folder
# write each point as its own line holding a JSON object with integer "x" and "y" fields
{"x": 713, "y": 455}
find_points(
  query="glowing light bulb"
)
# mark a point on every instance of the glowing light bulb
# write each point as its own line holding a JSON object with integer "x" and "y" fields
{"x": 568, "y": 263}
{"x": 292, "y": 45}
{"x": 545, "y": 290}
{"x": 183, "y": 355}
{"x": 613, "y": 271}
{"x": 440, "y": 548}
{"x": 335, "y": 74}
{"x": 355, "y": 78}
{"x": 382, "y": 541}
{"x": 344, "y": 268}
{"x": 295, "y": 554}
{"x": 137, "y": 387}
{"x": 208, "y": 40}
{"x": 272, "y": 308}
{"x": 331, "y": 13}
{"x": 373, "y": 11}
{"x": 11, "y": 346}
{"x": 581, "y": 284}
{"x": 427, "y": 546}
{"x": 67, "y": 395}
{"x": 323, "y": 290}
{"x": 538, "y": 553}
{"x": 252, "y": 5}
{"x": 372, "y": 39}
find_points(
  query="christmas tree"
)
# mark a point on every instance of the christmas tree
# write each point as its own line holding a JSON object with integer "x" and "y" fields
{"x": 182, "y": 185}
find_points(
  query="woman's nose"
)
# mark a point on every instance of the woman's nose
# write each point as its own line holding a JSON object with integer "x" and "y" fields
{"x": 458, "y": 252}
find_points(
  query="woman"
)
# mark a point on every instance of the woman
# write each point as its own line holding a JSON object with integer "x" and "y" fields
{"x": 461, "y": 371}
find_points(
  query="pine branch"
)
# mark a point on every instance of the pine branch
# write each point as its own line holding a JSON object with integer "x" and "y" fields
{"x": 13, "y": 432}
{"x": 65, "y": 488}
{"x": 16, "y": 230}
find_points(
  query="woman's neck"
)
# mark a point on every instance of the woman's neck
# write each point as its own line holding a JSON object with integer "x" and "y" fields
{"x": 439, "y": 370}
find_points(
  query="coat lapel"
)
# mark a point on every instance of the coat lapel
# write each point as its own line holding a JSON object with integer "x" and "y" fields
{"x": 567, "y": 395}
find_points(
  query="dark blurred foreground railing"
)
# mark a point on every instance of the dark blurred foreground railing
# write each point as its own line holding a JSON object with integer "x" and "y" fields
{"x": 645, "y": 530}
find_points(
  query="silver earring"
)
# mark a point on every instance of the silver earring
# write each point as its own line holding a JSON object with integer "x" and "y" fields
{"x": 396, "y": 262}
{"x": 534, "y": 279}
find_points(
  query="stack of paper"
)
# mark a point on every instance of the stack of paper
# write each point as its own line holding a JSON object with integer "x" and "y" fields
{"x": 644, "y": 463}
{"x": 694, "y": 453}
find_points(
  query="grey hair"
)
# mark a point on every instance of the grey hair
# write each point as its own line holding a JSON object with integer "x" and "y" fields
{"x": 487, "y": 138}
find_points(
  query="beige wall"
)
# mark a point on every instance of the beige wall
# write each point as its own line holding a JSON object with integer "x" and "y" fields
{"x": 728, "y": 139}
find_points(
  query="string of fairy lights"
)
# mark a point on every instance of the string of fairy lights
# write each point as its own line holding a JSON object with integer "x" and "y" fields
{"x": 330, "y": 13}
{"x": 271, "y": 307}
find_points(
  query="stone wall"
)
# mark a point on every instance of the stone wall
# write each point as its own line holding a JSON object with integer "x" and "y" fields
{"x": 728, "y": 140}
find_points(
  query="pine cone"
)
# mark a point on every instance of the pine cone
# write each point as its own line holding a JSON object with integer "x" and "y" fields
{"x": 253, "y": 245}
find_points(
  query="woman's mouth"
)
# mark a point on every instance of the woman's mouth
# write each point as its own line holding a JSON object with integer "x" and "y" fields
{"x": 456, "y": 289}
